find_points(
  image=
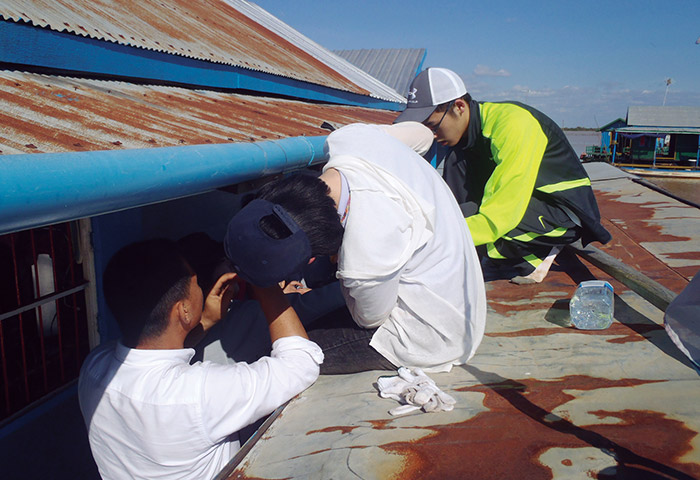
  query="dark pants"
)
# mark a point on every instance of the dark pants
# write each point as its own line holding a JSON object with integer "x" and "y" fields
{"x": 345, "y": 345}
{"x": 244, "y": 337}
{"x": 530, "y": 242}
{"x": 544, "y": 226}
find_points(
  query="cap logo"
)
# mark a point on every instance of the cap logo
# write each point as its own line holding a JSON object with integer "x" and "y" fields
{"x": 258, "y": 257}
{"x": 429, "y": 89}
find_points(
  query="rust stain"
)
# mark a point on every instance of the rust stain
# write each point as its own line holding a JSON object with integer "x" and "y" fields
{"x": 40, "y": 113}
{"x": 625, "y": 247}
{"x": 619, "y": 330}
{"x": 342, "y": 429}
{"x": 684, "y": 255}
{"x": 238, "y": 475}
{"x": 381, "y": 424}
{"x": 632, "y": 224}
{"x": 506, "y": 299}
{"x": 507, "y": 440}
{"x": 528, "y": 332}
{"x": 633, "y": 217}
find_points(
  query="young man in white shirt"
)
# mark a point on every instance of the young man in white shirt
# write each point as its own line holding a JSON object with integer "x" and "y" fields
{"x": 148, "y": 411}
{"x": 406, "y": 262}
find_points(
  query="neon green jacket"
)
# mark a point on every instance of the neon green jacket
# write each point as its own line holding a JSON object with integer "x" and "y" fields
{"x": 513, "y": 152}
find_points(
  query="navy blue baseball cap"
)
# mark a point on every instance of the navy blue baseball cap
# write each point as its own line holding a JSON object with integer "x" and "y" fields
{"x": 258, "y": 257}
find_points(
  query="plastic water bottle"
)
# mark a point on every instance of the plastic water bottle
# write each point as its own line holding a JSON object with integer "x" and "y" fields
{"x": 592, "y": 306}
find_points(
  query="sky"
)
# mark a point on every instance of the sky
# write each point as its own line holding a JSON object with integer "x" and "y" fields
{"x": 583, "y": 63}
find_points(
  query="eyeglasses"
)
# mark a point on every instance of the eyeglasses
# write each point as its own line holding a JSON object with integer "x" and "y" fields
{"x": 436, "y": 127}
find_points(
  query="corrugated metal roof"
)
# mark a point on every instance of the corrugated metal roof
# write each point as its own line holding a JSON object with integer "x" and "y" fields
{"x": 212, "y": 30}
{"x": 645, "y": 116}
{"x": 40, "y": 113}
{"x": 361, "y": 77}
{"x": 396, "y": 67}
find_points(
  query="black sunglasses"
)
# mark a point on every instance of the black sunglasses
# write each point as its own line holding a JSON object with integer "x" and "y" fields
{"x": 435, "y": 128}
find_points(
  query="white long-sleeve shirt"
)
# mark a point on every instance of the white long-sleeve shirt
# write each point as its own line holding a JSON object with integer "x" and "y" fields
{"x": 407, "y": 263}
{"x": 150, "y": 414}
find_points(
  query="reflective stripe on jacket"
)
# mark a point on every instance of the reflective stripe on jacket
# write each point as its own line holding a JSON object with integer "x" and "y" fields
{"x": 512, "y": 152}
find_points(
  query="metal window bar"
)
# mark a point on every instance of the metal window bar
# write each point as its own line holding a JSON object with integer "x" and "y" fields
{"x": 39, "y": 354}
{"x": 40, "y": 311}
{"x": 21, "y": 323}
{"x": 5, "y": 378}
{"x": 71, "y": 263}
{"x": 43, "y": 301}
{"x": 58, "y": 313}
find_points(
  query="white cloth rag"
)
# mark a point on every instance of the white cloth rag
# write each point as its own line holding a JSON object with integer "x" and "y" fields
{"x": 415, "y": 391}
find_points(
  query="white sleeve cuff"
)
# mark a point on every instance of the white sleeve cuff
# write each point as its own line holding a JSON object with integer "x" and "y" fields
{"x": 286, "y": 344}
{"x": 413, "y": 134}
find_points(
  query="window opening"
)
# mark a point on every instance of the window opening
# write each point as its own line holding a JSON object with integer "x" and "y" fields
{"x": 43, "y": 314}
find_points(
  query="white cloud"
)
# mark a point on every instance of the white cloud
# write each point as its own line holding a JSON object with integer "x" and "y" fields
{"x": 485, "y": 70}
{"x": 530, "y": 92}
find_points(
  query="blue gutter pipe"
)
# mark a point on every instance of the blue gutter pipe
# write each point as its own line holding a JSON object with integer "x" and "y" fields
{"x": 48, "y": 188}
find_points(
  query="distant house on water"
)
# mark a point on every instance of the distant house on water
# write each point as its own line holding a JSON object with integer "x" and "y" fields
{"x": 667, "y": 137}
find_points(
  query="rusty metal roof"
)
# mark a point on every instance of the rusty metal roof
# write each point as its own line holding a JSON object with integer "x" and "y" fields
{"x": 653, "y": 116}
{"x": 213, "y": 30}
{"x": 540, "y": 399}
{"x": 40, "y": 113}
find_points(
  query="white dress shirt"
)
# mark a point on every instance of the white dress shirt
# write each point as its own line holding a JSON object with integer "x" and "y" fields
{"x": 150, "y": 414}
{"x": 407, "y": 263}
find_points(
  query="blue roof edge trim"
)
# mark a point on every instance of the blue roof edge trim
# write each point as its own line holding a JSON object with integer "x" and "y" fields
{"x": 24, "y": 44}
{"x": 47, "y": 188}
{"x": 422, "y": 61}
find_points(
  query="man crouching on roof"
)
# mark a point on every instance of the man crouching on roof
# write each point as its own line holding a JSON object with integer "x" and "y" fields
{"x": 148, "y": 411}
{"x": 407, "y": 266}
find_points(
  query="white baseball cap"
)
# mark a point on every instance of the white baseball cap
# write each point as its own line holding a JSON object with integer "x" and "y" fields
{"x": 430, "y": 88}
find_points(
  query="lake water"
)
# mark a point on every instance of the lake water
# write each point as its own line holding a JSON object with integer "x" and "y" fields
{"x": 579, "y": 140}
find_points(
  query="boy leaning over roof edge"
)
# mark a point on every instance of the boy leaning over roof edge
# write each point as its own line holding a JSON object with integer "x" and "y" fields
{"x": 407, "y": 266}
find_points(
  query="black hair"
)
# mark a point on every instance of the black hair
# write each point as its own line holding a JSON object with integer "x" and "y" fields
{"x": 443, "y": 106}
{"x": 306, "y": 198}
{"x": 205, "y": 256}
{"x": 142, "y": 283}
